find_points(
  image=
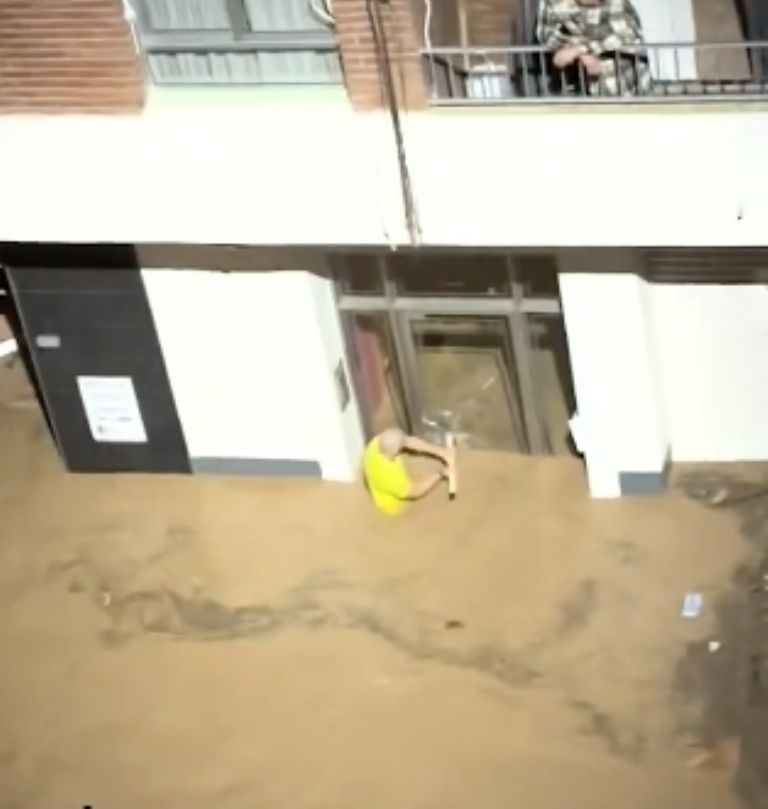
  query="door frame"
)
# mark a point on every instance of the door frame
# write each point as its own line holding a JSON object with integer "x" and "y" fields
{"x": 401, "y": 310}
{"x": 515, "y": 374}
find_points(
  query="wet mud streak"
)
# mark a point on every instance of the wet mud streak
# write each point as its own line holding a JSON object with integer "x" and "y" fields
{"x": 203, "y": 619}
{"x": 730, "y": 688}
{"x": 504, "y": 665}
{"x": 626, "y": 553}
{"x": 576, "y": 610}
{"x": 324, "y": 600}
{"x": 628, "y": 744}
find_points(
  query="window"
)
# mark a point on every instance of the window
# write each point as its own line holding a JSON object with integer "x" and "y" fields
{"x": 538, "y": 275}
{"x": 475, "y": 275}
{"x": 237, "y": 42}
{"x": 358, "y": 273}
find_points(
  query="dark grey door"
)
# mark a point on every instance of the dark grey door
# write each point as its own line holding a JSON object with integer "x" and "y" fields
{"x": 86, "y": 320}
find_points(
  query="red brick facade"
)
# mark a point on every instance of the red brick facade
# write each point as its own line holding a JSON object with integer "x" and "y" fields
{"x": 360, "y": 59}
{"x": 79, "y": 55}
{"x": 67, "y": 56}
{"x": 491, "y": 23}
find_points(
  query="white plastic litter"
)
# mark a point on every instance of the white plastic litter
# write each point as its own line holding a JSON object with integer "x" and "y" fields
{"x": 692, "y": 604}
{"x": 8, "y": 348}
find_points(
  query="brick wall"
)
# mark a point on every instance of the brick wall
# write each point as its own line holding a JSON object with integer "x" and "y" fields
{"x": 358, "y": 53}
{"x": 489, "y": 22}
{"x": 67, "y": 56}
{"x": 492, "y": 22}
{"x": 444, "y": 30}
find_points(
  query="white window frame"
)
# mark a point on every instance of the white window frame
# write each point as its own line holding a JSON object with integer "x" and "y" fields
{"x": 240, "y": 38}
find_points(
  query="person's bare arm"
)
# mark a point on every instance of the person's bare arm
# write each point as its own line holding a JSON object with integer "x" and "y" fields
{"x": 421, "y": 447}
{"x": 422, "y": 487}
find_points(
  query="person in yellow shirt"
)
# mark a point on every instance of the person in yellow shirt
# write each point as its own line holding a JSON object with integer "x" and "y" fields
{"x": 386, "y": 475}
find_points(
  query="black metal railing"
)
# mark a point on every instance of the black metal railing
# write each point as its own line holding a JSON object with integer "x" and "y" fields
{"x": 653, "y": 72}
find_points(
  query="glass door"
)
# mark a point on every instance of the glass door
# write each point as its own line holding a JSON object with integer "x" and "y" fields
{"x": 551, "y": 380}
{"x": 376, "y": 372}
{"x": 464, "y": 380}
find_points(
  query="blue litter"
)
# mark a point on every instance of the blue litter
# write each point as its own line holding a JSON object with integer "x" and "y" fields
{"x": 692, "y": 604}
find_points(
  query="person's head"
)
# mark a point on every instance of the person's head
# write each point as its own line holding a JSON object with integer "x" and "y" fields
{"x": 392, "y": 441}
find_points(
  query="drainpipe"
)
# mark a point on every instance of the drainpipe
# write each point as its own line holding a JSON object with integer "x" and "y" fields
{"x": 386, "y": 72}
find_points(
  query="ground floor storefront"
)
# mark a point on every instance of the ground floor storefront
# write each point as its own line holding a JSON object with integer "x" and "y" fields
{"x": 184, "y": 640}
{"x": 283, "y": 363}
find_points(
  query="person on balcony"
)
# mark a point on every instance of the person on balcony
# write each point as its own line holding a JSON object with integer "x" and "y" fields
{"x": 596, "y": 45}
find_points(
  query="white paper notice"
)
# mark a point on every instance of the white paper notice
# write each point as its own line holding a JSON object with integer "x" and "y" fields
{"x": 112, "y": 409}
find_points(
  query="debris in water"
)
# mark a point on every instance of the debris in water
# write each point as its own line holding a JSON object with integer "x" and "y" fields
{"x": 714, "y": 646}
{"x": 721, "y": 755}
{"x": 720, "y": 497}
{"x": 692, "y": 604}
{"x": 454, "y": 624}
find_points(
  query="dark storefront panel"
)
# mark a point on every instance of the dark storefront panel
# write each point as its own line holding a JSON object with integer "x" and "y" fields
{"x": 85, "y": 313}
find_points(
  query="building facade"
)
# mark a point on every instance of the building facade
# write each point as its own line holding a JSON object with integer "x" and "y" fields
{"x": 288, "y": 224}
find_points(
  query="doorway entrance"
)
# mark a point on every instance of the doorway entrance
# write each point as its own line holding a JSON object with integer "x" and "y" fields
{"x": 467, "y": 344}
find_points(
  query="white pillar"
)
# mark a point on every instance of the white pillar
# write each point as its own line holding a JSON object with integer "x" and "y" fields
{"x": 610, "y": 337}
{"x": 253, "y": 359}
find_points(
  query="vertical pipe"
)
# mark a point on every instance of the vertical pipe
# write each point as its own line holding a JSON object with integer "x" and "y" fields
{"x": 636, "y": 72}
{"x": 434, "y": 90}
{"x": 348, "y": 327}
{"x": 676, "y": 52}
{"x": 386, "y": 72}
{"x": 464, "y": 33}
{"x": 451, "y": 72}
{"x": 402, "y": 334}
{"x": 526, "y": 74}
{"x": 544, "y": 72}
{"x": 238, "y": 18}
{"x": 527, "y": 22}
{"x": 520, "y": 335}
{"x": 402, "y": 342}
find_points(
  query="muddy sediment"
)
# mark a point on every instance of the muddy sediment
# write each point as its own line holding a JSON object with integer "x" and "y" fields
{"x": 183, "y": 642}
{"x": 729, "y": 680}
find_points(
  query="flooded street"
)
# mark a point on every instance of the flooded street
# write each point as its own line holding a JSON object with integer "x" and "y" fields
{"x": 184, "y": 642}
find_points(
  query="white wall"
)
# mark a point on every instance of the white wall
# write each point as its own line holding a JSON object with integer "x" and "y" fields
{"x": 342, "y": 437}
{"x": 663, "y": 368}
{"x": 207, "y": 167}
{"x": 592, "y": 177}
{"x": 269, "y": 172}
{"x": 250, "y": 358}
{"x": 713, "y": 355}
{"x": 612, "y": 359}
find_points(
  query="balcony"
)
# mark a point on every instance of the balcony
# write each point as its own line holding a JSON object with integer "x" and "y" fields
{"x": 648, "y": 73}
{"x": 627, "y": 51}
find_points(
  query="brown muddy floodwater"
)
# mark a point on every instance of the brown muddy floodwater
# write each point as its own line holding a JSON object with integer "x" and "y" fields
{"x": 184, "y": 642}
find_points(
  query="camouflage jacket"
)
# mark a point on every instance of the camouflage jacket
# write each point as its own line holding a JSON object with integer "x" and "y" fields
{"x": 612, "y": 25}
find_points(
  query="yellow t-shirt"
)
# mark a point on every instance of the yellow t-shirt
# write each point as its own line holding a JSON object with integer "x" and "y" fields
{"x": 387, "y": 478}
